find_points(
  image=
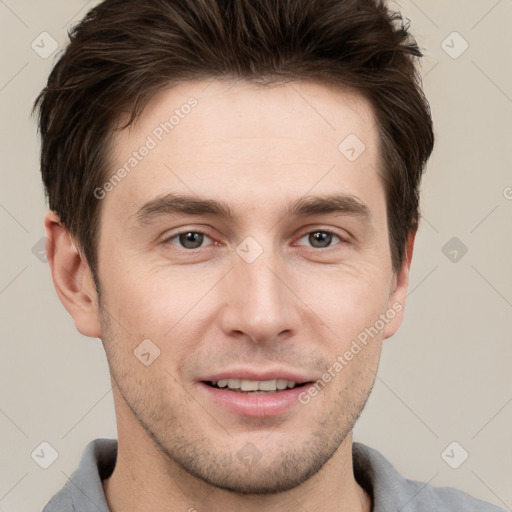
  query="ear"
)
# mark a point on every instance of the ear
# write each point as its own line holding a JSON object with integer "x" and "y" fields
{"x": 399, "y": 287}
{"x": 72, "y": 277}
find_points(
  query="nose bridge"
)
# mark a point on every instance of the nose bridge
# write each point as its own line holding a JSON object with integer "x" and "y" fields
{"x": 258, "y": 303}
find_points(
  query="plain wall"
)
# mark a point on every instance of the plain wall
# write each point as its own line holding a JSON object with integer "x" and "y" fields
{"x": 444, "y": 377}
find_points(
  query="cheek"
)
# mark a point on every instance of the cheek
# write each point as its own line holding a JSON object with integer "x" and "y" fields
{"x": 348, "y": 300}
{"x": 160, "y": 303}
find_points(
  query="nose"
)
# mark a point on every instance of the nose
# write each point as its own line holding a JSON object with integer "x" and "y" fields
{"x": 259, "y": 301}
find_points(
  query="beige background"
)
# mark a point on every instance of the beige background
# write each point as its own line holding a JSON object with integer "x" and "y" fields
{"x": 444, "y": 377}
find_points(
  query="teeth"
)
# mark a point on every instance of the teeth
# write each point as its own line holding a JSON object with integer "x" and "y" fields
{"x": 255, "y": 385}
{"x": 281, "y": 383}
{"x": 267, "y": 385}
{"x": 249, "y": 385}
{"x": 234, "y": 383}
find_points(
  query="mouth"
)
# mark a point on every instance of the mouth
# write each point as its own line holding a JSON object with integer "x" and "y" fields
{"x": 255, "y": 387}
{"x": 255, "y": 392}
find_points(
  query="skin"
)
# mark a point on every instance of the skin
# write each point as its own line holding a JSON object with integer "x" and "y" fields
{"x": 297, "y": 306}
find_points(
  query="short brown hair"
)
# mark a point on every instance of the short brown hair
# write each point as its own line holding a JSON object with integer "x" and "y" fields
{"x": 124, "y": 51}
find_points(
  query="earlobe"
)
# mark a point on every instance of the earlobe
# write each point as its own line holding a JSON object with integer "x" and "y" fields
{"x": 396, "y": 302}
{"x": 71, "y": 277}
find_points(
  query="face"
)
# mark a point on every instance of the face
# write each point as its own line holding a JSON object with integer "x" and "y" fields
{"x": 245, "y": 251}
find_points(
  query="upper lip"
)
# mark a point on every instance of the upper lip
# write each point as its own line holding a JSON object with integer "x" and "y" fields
{"x": 254, "y": 374}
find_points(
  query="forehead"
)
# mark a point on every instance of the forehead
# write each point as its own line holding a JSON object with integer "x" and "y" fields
{"x": 213, "y": 137}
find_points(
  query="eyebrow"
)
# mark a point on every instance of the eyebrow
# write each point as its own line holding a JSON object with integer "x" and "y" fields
{"x": 172, "y": 204}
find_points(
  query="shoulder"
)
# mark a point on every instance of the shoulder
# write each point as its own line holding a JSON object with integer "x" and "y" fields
{"x": 83, "y": 492}
{"x": 61, "y": 502}
{"x": 391, "y": 491}
{"x": 444, "y": 499}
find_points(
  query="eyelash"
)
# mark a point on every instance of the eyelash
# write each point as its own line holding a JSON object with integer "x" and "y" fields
{"x": 321, "y": 230}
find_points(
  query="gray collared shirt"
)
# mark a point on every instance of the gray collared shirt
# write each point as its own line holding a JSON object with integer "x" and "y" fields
{"x": 390, "y": 491}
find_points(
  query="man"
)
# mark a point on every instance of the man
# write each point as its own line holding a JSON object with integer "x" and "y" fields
{"x": 233, "y": 191}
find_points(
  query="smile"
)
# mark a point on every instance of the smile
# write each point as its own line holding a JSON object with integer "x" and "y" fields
{"x": 254, "y": 386}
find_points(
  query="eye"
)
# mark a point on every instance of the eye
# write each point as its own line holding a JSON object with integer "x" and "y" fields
{"x": 321, "y": 238}
{"x": 188, "y": 239}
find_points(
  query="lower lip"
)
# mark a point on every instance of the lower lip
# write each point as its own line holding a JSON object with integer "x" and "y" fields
{"x": 261, "y": 406}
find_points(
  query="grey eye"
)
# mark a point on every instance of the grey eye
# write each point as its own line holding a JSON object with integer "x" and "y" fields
{"x": 320, "y": 239}
{"x": 189, "y": 239}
